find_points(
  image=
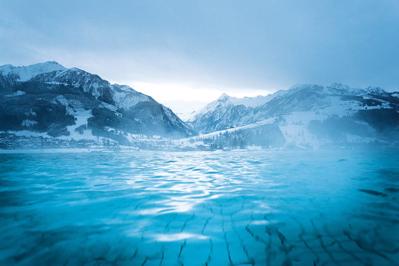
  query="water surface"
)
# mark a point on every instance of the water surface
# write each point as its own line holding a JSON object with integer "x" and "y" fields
{"x": 200, "y": 208}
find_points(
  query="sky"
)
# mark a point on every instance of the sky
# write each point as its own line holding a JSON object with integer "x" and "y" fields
{"x": 186, "y": 53}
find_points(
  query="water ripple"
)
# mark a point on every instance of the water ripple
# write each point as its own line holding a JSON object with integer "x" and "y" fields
{"x": 221, "y": 208}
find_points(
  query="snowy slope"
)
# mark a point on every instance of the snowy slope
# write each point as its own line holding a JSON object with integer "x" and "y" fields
{"x": 48, "y": 100}
{"x": 24, "y": 73}
{"x": 225, "y": 101}
{"x": 310, "y": 115}
{"x": 48, "y": 103}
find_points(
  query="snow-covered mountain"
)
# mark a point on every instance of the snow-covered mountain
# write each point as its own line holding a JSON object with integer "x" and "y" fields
{"x": 49, "y": 103}
{"x": 24, "y": 73}
{"x": 223, "y": 112}
{"x": 305, "y": 115}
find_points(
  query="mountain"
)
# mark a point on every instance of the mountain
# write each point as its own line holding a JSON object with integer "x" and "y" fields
{"x": 47, "y": 103}
{"x": 305, "y": 115}
{"x": 224, "y": 112}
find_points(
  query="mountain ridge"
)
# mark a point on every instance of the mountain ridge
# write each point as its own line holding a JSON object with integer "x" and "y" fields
{"x": 50, "y": 105}
{"x": 307, "y": 115}
{"x": 47, "y": 100}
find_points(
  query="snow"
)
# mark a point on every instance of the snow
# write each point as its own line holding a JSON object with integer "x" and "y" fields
{"x": 375, "y": 90}
{"x": 76, "y": 77}
{"x": 28, "y": 133}
{"x": 230, "y": 130}
{"x": 62, "y": 100}
{"x": 170, "y": 115}
{"x": 28, "y": 123}
{"x": 25, "y": 73}
{"x": 335, "y": 106}
{"x": 335, "y": 101}
{"x": 16, "y": 94}
{"x": 81, "y": 119}
{"x": 30, "y": 113}
{"x": 56, "y": 83}
{"x": 295, "y": 128}
{"x": 225, "y": 100}
{"x": 246, "y": 101}
{"x": 186, "y": 116}
{"x": 126, "y": 97}
{"x": 109, "y": 106}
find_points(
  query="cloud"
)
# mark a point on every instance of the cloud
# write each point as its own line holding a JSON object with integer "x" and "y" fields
{"x": 249, "y": 46}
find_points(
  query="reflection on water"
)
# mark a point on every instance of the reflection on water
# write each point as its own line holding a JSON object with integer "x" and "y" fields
{"x": 200, "y": 208}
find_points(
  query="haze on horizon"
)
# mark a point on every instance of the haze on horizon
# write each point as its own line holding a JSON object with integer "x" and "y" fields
{"x": 186, "y": 53}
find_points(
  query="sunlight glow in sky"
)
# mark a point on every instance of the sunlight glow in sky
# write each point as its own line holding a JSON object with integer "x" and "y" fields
{"x": 184, "y": 98}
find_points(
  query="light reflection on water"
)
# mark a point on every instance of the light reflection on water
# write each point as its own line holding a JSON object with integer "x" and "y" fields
{"x": 200, "y": 208}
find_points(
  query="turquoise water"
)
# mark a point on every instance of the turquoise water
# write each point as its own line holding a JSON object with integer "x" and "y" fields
{"x": 200, "y": 208}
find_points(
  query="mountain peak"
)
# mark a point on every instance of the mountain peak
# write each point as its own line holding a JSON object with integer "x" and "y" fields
{"x": 64, "y": 104}
{"x": 25, "y": 73}
{"x": 223, "y": 97}
{"x": 50, "y": 62}
{"x": 375, "y": 90}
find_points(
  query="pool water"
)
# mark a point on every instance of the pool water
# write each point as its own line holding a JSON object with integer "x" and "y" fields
{"x": 244, "y": 207}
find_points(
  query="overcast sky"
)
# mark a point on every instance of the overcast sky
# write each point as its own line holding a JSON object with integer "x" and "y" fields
{"x": 186, "y": 53}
